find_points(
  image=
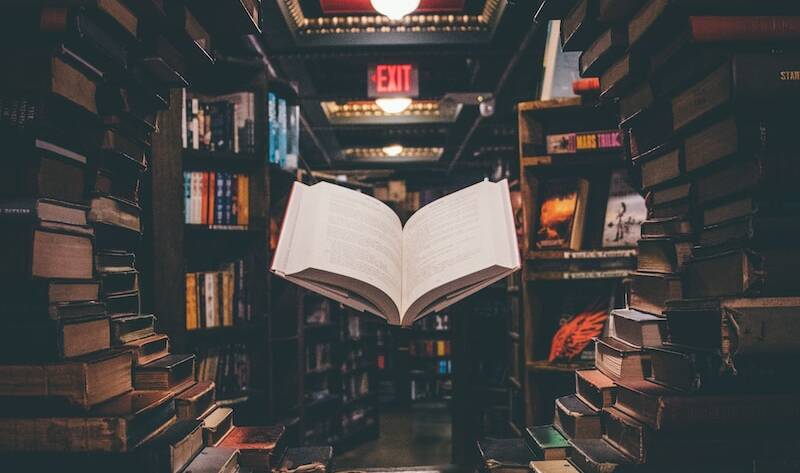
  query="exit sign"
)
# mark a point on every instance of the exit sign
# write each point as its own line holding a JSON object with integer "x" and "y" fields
{"x": 393, "y": 80}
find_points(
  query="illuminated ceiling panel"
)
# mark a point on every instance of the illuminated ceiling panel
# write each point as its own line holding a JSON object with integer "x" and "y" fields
{"x": 361, "y": 7}
{"x": 351, "y": 23}
{"x": 407, "y": 155}
{"x": 367, "y": 113}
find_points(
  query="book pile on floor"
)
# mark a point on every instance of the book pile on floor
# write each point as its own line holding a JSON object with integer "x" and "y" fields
{"x": 693, "y": 375}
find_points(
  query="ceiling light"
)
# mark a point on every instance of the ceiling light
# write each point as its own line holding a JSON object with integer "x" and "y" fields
{"x": 395, "y": 9}
{"x": 393, "y": 150}
{"x": 393, "y": 104}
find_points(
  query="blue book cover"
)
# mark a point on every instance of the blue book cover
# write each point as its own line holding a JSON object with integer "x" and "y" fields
{"x": 282, "y": 127}
{"x": 272, "y": 120}
{"x": 219, "y": 204}
{"x": 228, "y": 198}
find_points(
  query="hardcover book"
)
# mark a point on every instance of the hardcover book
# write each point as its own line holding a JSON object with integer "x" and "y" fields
{"x": 595, "y": 389}
{"x": 353, "y": 248}
{"x": 117, "y": 426}
{"x": 546, "y": 442}
{"x": 576, "y": 419}
{"x": 504, "y": 454}
{"x": 625, "y": 213}
{"x": 560, "y": 214}
{"x": 73, "y": 381}
{"x": 256, "y": 445}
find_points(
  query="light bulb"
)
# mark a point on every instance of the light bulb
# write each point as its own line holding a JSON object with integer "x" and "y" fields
{"x": 393, "y": 150}
{"x": 393, "y": 105}
{"x": 395, "y": 9}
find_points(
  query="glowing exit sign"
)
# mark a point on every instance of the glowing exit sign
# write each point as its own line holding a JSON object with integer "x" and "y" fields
{"x": 393, "y": 80}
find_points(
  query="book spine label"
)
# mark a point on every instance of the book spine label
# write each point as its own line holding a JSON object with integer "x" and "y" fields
{"x": 18, "y": 210}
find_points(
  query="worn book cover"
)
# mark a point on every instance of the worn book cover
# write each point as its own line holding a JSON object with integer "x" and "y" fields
{"x": 625, "y": 212}
{"x": 560, "y": 214}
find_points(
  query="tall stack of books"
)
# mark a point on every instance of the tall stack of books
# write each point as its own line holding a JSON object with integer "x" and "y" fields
{"x": 88, "y": 384}
{"x": 693, "y": 376}
{"x": 77, "y": 116}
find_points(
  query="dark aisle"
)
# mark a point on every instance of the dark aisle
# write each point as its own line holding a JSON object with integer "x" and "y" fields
{"x": 409, "y": 436}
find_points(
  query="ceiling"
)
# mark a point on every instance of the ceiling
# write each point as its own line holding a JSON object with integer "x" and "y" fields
{"x": 465, "y": 51}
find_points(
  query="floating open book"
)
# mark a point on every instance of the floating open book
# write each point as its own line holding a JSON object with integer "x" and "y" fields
{"x": 352, "y": 248}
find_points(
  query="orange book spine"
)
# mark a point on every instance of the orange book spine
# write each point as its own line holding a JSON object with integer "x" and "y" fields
{"x": 212, "y": 194}
{"x": 589, "y": 85}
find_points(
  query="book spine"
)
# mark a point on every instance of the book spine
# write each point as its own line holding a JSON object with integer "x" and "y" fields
{"x": 67, "y": 435}
{"x": 714, "y": 29}
{"x": 195, "y": 124}
{"x": 235, "y": 178}
{"x": 187, "y": 197}
{"x": 191, "y": 301}
{"x": 201, "y": 300}
{"x": 184, "y": 120}
{"x": 228, "y": 198}
{"x": 210, "y": 300}
{"x": 18, "y": 210}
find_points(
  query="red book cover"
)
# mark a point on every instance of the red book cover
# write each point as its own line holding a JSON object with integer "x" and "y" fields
{"x": 589, "y": 85}
{"x": 744, "y": 28}
{"x": 204, "y": 199}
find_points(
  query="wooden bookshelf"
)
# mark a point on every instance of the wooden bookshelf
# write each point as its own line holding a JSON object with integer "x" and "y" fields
{"x": 558, "y": 283}
{"x": 182, "y": 248}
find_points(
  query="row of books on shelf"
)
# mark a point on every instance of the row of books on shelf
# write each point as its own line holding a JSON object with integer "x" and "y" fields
{"x": 576, "y": 143}
{"x": 220, "y": 123}
{"x": 216, "y": 198}
{"x": 284, "y": 132}
{"x": 430, "y": 389}
{"x": 429, "y": 348}
{"x": 228, "y": 367}
{"x": 218, "y": 298}
{"x": 437, "y": 323}
{"x": 355, "y": 387}
{"x": 563, "y": 207}
{"x": 318, "y": 357}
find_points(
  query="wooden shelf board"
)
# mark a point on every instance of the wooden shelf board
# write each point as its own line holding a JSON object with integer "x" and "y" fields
{"x": 203, "y": 159}
{"x": 577, "y": 275}
{"x": 220, "y": 228}
{"x": 556, "y": 367}
{"x": 223, "y": 334}
{"x": 536, "y": 105}
{"x": 583, "y": 254}
{"x": 598, "y": 157}
{"x": 235, "y": 401}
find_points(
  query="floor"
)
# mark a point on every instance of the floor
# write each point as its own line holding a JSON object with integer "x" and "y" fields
{"x": 409, "y": 436}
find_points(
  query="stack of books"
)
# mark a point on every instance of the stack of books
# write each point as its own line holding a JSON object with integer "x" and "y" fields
{"x": 692, "y": 377}
{"x": 88, "y": 383}
{"x": 84, "y": 371}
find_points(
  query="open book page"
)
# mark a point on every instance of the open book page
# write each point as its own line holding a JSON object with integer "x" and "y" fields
{"x": 457, "y": 245}
{"x": 336, "y": 238}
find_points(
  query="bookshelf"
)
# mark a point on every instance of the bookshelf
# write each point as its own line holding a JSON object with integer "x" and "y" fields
{"x": 565, "y": 140}
{"x": 430, "y": 359}
{"x": 209, "y": 246}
